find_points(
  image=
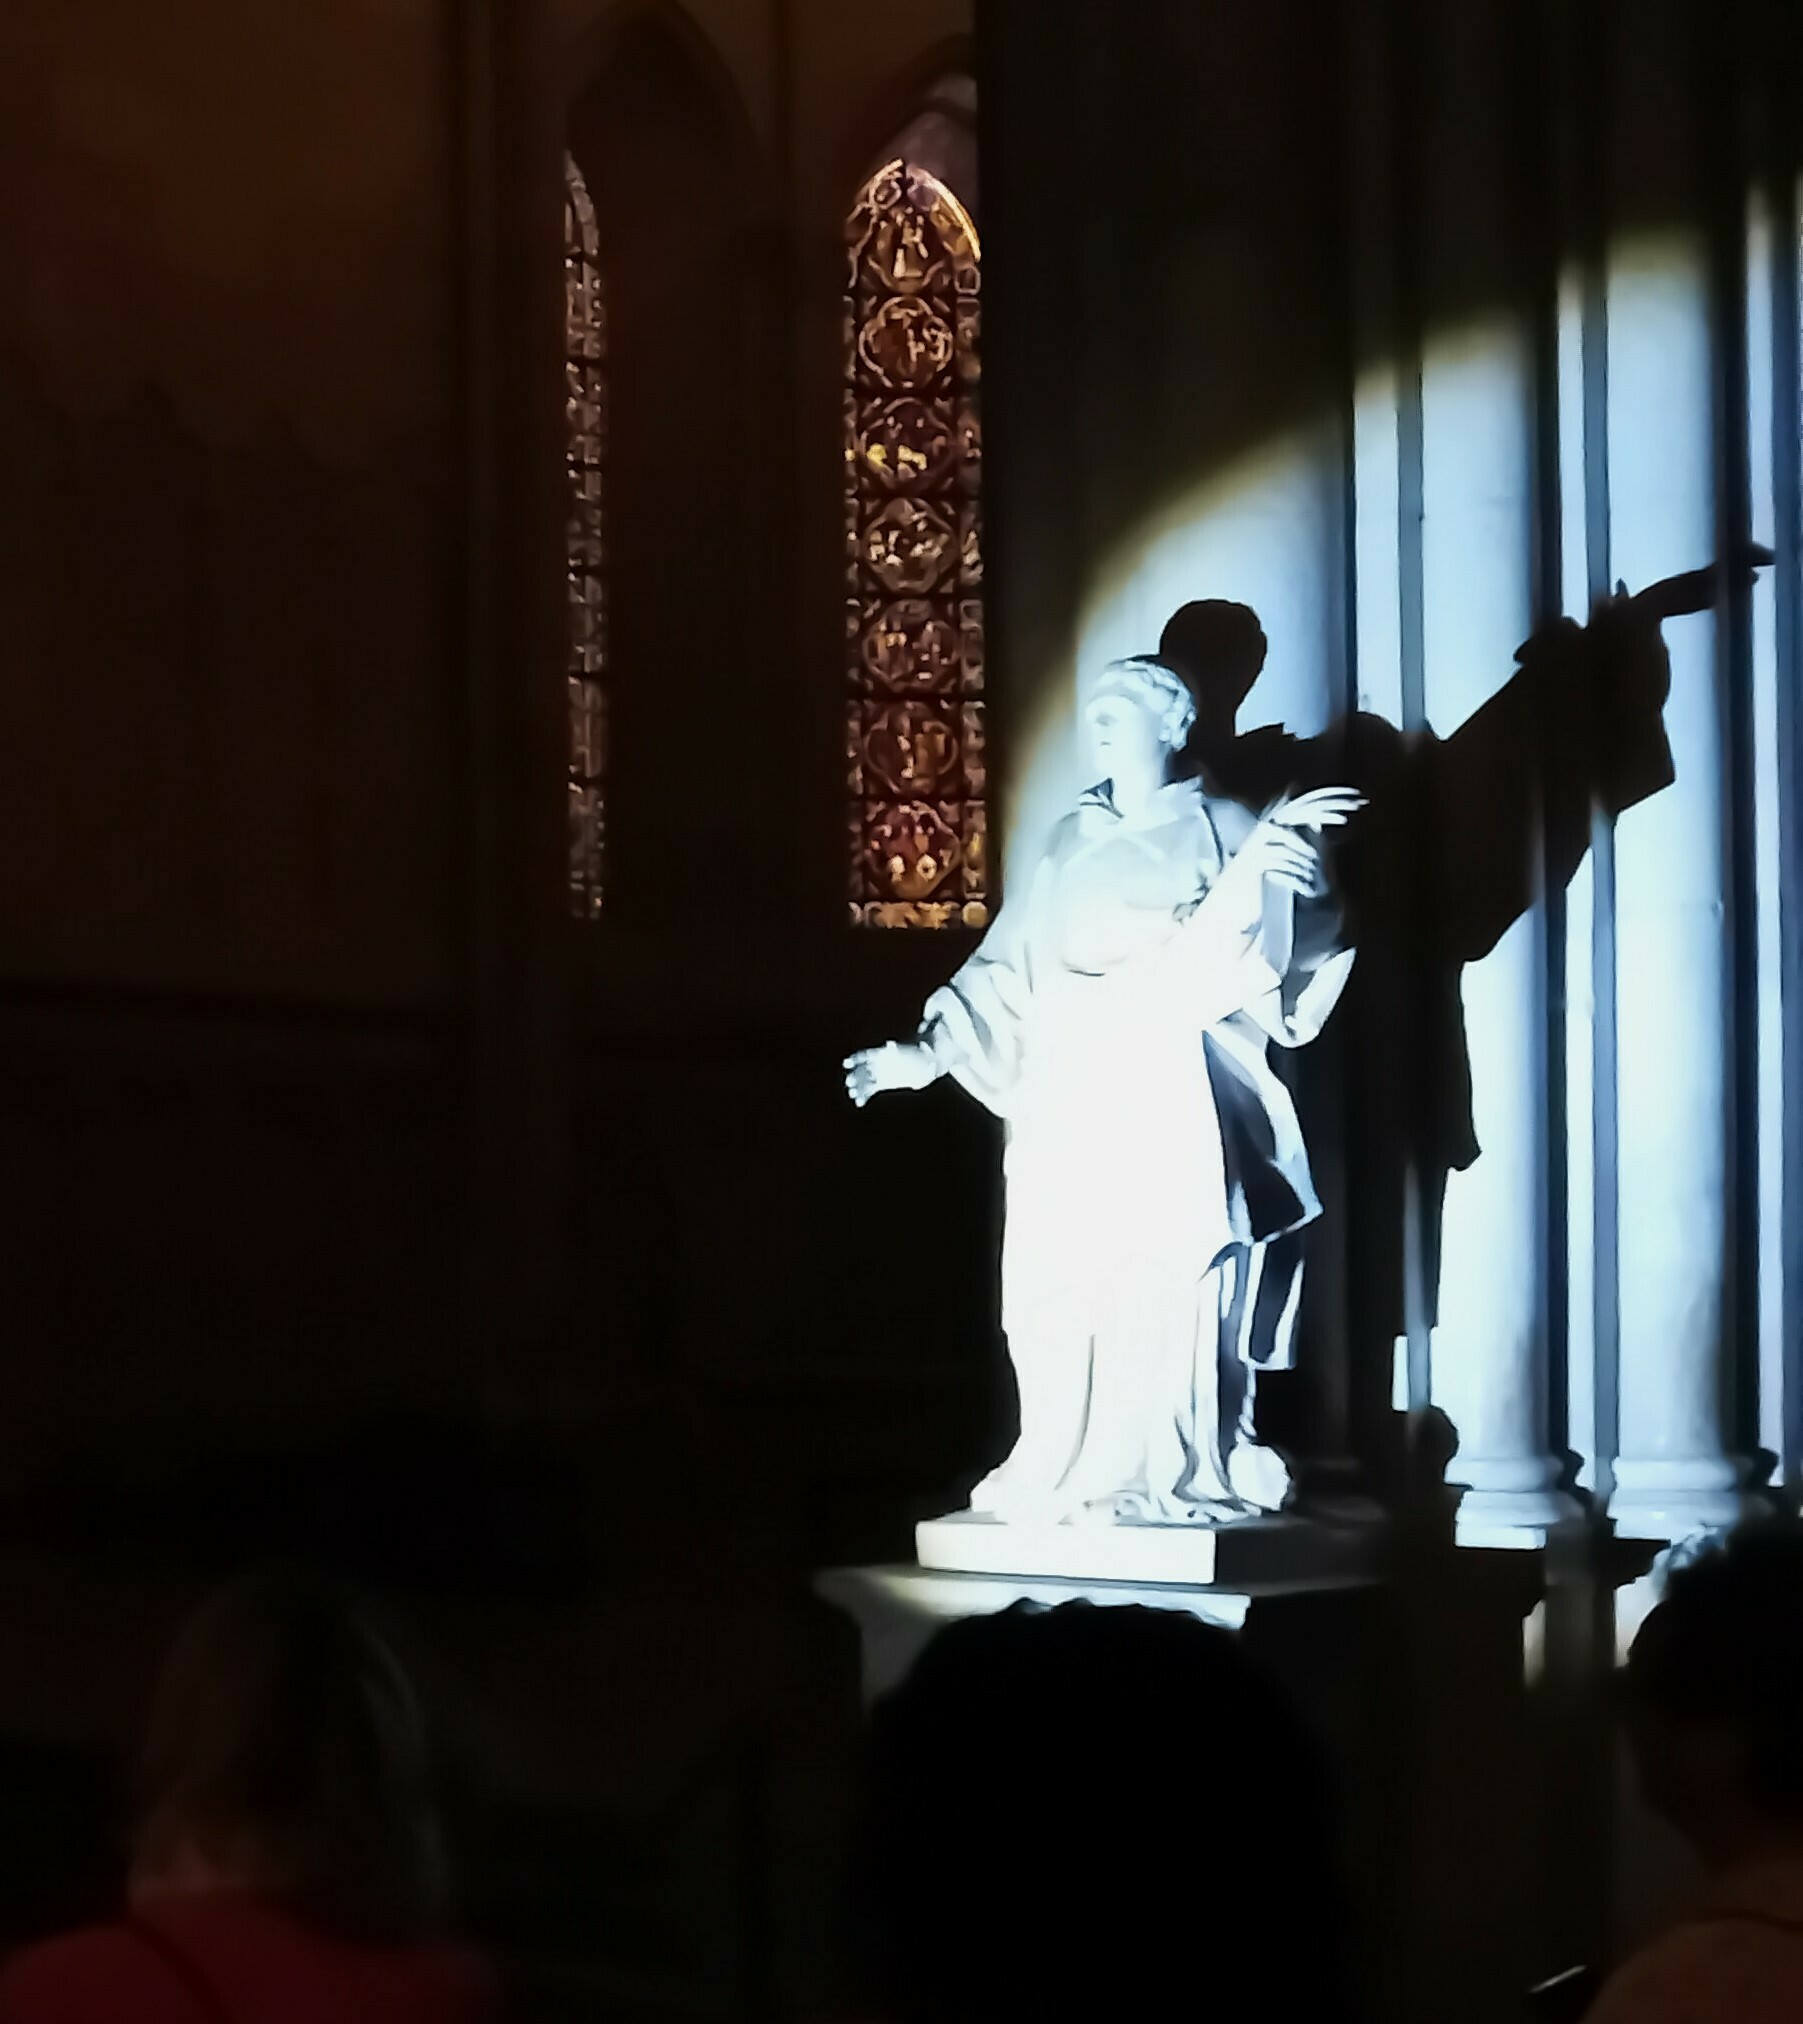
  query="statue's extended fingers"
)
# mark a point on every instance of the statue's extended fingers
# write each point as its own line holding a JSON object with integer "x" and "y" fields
{"x": 1282, "y": 840}
{"x": 1281, "y": 836}
{"x": 1295, "y": 815}
{"x": 1322, "y": 805}
{"x": 1292, "y": 864}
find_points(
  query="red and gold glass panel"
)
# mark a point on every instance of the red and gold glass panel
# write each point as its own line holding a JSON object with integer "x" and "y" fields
{"x": 585, "y": 439}
{"x": 914, "y": 557}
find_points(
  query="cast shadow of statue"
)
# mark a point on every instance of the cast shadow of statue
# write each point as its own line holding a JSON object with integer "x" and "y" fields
{"x": 1460, "y": 835}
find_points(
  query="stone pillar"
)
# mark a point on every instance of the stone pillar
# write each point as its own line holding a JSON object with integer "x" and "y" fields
{"x": 1775, "y": 718}
{"x": 1673, "y": 1472}
{"x": 1477, "y": 407}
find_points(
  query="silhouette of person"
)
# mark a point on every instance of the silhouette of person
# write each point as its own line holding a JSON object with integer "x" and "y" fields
{"x": 1715, "y": 1720}
{"x": 1459, "y": 836}
{"x": 287, "y": 1862}
{"x": 1060, "y": 1807}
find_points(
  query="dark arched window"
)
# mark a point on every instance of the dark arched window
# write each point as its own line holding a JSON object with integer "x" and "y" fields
{"x": 585, "y": 438}
{"x": 914, "y": 555}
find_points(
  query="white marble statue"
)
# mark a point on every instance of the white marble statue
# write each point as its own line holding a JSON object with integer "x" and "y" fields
{"x": 1116, "y": 1016}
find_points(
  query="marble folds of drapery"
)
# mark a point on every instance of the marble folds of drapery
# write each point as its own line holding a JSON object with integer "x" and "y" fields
{"x": 1117, "y": 1017}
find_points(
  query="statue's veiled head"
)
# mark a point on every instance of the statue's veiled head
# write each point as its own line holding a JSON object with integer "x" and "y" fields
{"x": 1136, "y": 713}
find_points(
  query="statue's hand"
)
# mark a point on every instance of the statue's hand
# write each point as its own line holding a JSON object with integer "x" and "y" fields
{"x": 1277, "y": 849}
{"x": 1271, "y": 852}
{"x": 899, "y": 1065}
{"x": 1319, "y": 808}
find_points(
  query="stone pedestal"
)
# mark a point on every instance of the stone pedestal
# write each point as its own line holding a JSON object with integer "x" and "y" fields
{"x": 1414, "y": 1682}
{"x": 898, "y": 1610}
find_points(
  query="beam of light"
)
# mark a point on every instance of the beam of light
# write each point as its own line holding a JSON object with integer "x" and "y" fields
{"x": 1645, "y": 944}
{"x": 1262, "y": 531}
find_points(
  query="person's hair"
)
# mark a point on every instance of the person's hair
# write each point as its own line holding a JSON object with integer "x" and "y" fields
{"x": 1160, "y": 689}
{"x": 1724, "y": 1649}
{"x": 1218, "y": 646}
{"x": 1061, "y": 1805}
{"x": 287, "y": 1749}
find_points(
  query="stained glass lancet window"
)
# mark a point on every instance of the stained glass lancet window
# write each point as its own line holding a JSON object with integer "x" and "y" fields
{"x": 914, "y": 557}
{"x": 585, "y": 412}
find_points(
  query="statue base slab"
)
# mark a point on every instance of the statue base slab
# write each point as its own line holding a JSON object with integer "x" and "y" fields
{"x": 1243, "y": 1550}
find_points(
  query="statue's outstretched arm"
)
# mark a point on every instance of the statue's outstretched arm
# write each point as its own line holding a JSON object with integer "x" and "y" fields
{"x": 897, "y": 1064}
{"x": 971, "y": 1028}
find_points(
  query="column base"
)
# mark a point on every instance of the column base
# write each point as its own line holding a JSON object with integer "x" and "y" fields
{"x": 1520, "y": 1520}
{"x": 1510, "y": 1501}
{"x": 1670, "y": 1500}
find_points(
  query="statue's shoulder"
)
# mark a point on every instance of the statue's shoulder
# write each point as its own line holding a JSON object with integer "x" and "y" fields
{"x": 1070, "y": 829}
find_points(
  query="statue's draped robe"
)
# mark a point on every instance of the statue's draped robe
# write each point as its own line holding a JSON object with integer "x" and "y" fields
{"x": 1117, "y": 1019}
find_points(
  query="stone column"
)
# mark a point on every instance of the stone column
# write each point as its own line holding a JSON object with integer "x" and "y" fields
{"x": 1672, "y": 1469}
{"x": 1478, "y": 392}
{"x": 1673, "y": 1472}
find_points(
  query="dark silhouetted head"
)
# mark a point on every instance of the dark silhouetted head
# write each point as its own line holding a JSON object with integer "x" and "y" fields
{"x": 1218, "y": 647}
{"x": 1714, "y": 1693}
{"x": 287, "y": 1756}
{"x": 1093, "y": 1812}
